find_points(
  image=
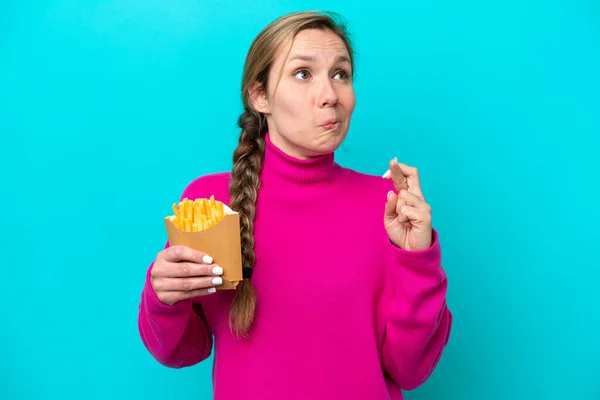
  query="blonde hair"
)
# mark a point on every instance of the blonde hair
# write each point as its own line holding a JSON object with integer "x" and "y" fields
{"x": 249, "y": 154}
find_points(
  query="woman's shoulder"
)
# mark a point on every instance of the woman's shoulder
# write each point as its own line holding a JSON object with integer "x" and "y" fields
{"x": 365, "y": 195}
{"x": 204, "y": 186}
{"x": 368, "y": 184}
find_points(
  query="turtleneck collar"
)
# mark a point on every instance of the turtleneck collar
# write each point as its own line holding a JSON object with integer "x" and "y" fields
{"x": 279, "y": 168}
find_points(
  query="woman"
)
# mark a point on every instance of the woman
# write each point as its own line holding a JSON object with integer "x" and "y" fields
{"x": 343, "y": 296}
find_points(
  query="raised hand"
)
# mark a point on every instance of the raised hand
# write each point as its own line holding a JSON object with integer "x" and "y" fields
{"x": 407, "y": 215}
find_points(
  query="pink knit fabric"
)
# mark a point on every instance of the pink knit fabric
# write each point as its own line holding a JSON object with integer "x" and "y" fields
{"x": 342, "y": 313}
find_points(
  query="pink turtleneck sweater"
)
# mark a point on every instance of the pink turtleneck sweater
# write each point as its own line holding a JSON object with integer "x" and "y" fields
{"x": 342, "y": 313}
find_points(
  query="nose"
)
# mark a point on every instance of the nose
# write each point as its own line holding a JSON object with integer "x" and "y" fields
{"x": 327, "y": 96}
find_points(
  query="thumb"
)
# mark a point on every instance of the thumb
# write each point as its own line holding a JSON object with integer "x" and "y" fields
{"x": 390, "y": 205}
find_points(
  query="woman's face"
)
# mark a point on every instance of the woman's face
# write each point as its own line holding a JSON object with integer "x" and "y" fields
{"x": 309, "y": 109}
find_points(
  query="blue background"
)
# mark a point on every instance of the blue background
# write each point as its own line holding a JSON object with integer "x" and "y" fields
{"x": 109, "y": 108}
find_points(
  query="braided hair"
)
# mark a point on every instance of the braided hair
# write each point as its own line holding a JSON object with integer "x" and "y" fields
{"x": 249, "y": 155}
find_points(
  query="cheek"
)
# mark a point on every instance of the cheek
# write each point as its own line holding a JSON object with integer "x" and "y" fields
{"x": 348, "y": 99}
{"x": 292, "y": 104}
{"x": 297, "y": 102}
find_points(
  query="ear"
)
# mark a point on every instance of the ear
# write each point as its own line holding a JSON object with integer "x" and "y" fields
{"x": 258, "y": 97}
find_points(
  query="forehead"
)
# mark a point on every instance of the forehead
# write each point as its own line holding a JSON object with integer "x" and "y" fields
{"x": 318, "y": 40}
{"x": 321, "y": 44}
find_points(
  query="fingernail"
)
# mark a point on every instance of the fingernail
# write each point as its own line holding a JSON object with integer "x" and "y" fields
{"x": 212, "y": 290}
{"x": 217, "y": 281}
{"x": 389, "y": 195}
{"x": 217, "y": 270}
{"x": 387, "y": 174}
{"x": 396, "y": 160}
{"x": 207, "y": 260}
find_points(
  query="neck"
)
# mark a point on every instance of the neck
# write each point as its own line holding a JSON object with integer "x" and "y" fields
{"x": 282, "y": 169}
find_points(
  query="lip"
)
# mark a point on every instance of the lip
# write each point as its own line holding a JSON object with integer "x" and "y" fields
{"x": 330, "y": 123}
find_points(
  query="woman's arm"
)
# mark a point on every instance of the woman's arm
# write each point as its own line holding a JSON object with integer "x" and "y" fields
{"x": 418, "y": 321}
{"x": 176, "y": 335}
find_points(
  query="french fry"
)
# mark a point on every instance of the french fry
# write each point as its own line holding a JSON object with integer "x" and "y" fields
{"x": 190, "y": 211}
{"x": 197, "y": 215}
{"x": 180, "y": 214}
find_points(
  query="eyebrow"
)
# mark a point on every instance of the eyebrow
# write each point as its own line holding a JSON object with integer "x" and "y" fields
{"x": 306, "y": 58}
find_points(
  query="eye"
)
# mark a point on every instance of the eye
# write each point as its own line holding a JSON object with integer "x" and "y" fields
{"x": 344, "y": 74}
{"x": 302, "y": 74}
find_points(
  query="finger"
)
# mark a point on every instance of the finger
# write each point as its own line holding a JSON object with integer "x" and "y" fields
{"x": 186, "y": 269}
{"x": 186, "y": 284}
{"x": 412, "y": 178}
{"x": 412, "y": 200}
{"x": 396, "y": 175}
{"x": 174, "y": 297}
{"x": 183, "y": 253}
{"x": 416, "y": 215}
{"x": 391, "y": 208}
{"x": 390, "y": 204}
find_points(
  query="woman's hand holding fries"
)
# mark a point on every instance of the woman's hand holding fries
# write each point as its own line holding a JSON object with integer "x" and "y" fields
{"x": 180, "y": 272}
{"x": 407, "y": 216}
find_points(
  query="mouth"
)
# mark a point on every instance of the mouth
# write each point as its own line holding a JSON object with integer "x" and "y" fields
{"x": 331, "y": 124}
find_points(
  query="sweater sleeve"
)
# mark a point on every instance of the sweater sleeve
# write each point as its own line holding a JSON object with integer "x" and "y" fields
{"x": 418, "y": 320}
{"x": 175, "y": 335}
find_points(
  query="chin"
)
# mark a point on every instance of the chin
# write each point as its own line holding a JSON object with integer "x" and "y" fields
{"x": 328, "y": 142}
